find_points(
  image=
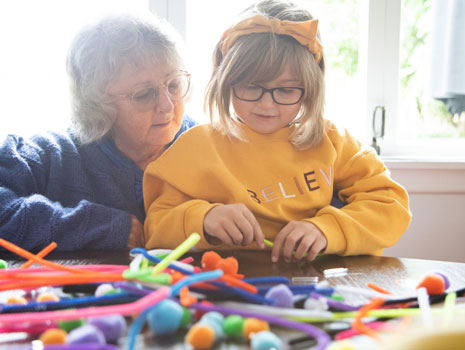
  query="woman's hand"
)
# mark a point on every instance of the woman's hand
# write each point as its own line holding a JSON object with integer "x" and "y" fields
{"x": 301, "y": 236}
{"x": 136, "y": 236}
{"x": 233, "y": 224}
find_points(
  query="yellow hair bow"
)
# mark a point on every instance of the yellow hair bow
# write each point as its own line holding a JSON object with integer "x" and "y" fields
{"x": 303, "y": 32}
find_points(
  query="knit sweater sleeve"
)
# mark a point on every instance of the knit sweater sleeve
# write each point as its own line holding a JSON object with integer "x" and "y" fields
{"x": 377, "y": 211}
{"x": 31, "y": 219}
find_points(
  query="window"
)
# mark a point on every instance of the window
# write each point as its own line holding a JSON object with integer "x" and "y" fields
{"x": 35, "y": 36}
{"x": 200, "y": 41}
{"x": 432, "y": 76}
{"x": 400, "y": 75}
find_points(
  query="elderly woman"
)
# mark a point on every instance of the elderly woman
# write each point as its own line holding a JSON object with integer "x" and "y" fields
{"x": 84, "y": 189}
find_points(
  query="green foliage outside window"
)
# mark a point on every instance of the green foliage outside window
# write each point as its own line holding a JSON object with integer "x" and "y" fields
{"x": 432, "y": 119}
{"x": 427, "y": 116}
{"x": 342, "y": 50}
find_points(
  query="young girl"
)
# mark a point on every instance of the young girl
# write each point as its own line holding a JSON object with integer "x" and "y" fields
{"x": 268, "y": 166}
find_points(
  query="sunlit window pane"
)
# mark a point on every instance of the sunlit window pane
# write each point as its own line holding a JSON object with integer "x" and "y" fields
{"x": 201, "y": 37}
{"x": 339, "y": 27}
{"x": 432, "y": 71}
{"x": 35, "y": 36}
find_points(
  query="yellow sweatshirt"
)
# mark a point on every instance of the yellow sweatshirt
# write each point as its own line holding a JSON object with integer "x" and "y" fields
{"x": 278, "y": 183}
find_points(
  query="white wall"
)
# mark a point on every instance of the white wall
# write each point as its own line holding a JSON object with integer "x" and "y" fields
{"x": 437, "y": 201}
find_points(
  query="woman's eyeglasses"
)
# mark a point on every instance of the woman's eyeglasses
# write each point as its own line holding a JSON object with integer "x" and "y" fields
{"x": 280, "y": 95}
{"x": 146, "y": 98}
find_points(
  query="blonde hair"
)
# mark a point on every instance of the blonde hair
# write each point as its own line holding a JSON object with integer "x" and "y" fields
{"x": 262, "y": 57}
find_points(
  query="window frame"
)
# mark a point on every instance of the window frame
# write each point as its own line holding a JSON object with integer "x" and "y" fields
{"x": 379, "y": 64}
{"x": 381, "y": 52}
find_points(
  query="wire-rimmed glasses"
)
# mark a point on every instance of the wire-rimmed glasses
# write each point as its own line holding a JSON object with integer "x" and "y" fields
{"x": 146, "y": 98}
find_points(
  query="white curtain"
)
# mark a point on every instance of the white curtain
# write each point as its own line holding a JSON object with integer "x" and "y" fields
{"x": 448, "y": 53}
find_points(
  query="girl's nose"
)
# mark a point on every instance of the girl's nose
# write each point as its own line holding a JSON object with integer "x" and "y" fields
{"x": 267, "y": 99}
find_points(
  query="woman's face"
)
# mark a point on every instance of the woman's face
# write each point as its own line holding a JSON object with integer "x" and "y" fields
{"x": 137, "y": 132}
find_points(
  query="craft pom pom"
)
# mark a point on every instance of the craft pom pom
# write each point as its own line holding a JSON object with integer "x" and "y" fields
{"x": 434, "y": 283}
{"x": 281, "y": 295}
{"x": 200, "y": 336}
{"x": 112, "y": 326}
{"x": 233, "y": 326}
{"x": 265, "y": 340}
{"x": 446, "y": 279}
{"x": 86, "y": 334}
{"x": 209, "y": 260}
{"x": 165, "y": 317}
{"x": 254, "y": 325}
{"x": 53, "y": 336}
{"x": 213, "y": 261}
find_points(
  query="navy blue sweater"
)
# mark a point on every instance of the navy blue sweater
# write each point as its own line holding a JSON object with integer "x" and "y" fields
{"x": 80, "y": 196}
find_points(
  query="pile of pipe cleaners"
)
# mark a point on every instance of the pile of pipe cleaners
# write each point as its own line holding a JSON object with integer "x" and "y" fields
{"x": 105, "y": 307}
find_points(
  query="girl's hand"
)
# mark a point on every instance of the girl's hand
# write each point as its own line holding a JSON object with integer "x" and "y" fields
{"x": 136, "y": 236}
{"x": 301, "y": 236}
{"x": 233, "y": 224}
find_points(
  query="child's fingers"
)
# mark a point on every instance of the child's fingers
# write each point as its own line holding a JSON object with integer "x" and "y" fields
{"x": 220, "y": 223}
{"x": 304, "y": 246}
{"x": 278, "y": 243}
{"x": 246, "y": 229}
{"x": 234, "y": 232}
{"x": 223, "y": 236}
{"x": 257, "y": 233}
{"x": 317, "y": 247}
{"x": 276, "y": 249}
{"x": 290, "y": 244}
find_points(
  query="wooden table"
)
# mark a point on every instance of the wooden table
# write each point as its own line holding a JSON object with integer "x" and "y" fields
{"x": 398, "y": 275}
